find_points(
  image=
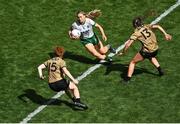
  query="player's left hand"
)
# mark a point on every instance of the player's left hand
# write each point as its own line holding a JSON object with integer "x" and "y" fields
{"x": 168, "y": 37}
{"x": 42, "y": 77}
{"x": 104, "y": 37}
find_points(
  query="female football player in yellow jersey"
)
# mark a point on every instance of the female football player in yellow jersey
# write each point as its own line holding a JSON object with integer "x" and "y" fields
{"x": 149, "y": 49}
{"x": 57, "y": 71}
{"x": 88, "y": 38}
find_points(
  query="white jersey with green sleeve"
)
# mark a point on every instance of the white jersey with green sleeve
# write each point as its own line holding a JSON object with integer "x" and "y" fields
{"x": 86, "y": 29}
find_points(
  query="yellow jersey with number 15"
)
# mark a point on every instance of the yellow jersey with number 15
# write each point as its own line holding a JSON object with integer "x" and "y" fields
{"x": 147, "y": 38}
{"x": 55, "y": 66}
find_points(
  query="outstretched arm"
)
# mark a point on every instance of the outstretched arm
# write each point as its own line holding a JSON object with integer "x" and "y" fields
{"x": 167, "y": 36}
{"x": 127, "y": 45}
{"x": 40, "y": 68}
{"x": 102, "y": 31}
{"x": 69, "y": 75}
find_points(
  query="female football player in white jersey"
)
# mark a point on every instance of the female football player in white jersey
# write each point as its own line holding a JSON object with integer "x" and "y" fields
{"x": 88, "y": 38}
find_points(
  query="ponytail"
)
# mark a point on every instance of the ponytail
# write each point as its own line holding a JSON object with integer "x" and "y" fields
{"x": 92, "y": 14}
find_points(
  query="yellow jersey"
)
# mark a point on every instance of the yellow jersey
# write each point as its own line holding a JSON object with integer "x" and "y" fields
{"x": 55, "y": 66}
{"x": 147, "y": 38}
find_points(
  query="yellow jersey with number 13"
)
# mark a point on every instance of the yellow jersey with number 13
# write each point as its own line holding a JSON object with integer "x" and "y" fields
{"x": 147, "y": 38}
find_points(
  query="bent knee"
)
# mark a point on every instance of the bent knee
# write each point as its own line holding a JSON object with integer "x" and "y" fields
{"x": 133, "y": 62}
{"x": 100, "y": 56}
{"x": 103, "y": 51}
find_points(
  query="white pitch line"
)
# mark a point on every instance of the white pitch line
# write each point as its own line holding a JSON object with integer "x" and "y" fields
{"x": 166, "y": 12}
{"x": 91, "y": 69}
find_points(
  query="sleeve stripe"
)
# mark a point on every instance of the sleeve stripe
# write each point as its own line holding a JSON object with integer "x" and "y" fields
{"x": 131, "y": 39}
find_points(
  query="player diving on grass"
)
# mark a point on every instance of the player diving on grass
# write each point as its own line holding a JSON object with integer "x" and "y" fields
{"x": 144, "y": 33}
{"x": 88, "y": 38}
{"x": 57, "y": 70}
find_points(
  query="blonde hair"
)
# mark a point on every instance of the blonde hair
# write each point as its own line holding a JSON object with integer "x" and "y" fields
{"x": 92, "y": 14}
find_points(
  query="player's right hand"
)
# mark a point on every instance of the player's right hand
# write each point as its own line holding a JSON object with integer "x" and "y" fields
{"x": 104, "y": 37}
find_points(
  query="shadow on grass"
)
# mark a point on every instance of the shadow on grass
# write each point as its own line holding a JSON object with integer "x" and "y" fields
{"x": 38, "y": 99}
{"x": 124, "y": 68}
{"x": 76, "y": 57}
{"x": 80, "y": 58}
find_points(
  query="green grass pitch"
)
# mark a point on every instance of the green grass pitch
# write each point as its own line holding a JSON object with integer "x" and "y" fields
{"x": 29, "y": 29}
